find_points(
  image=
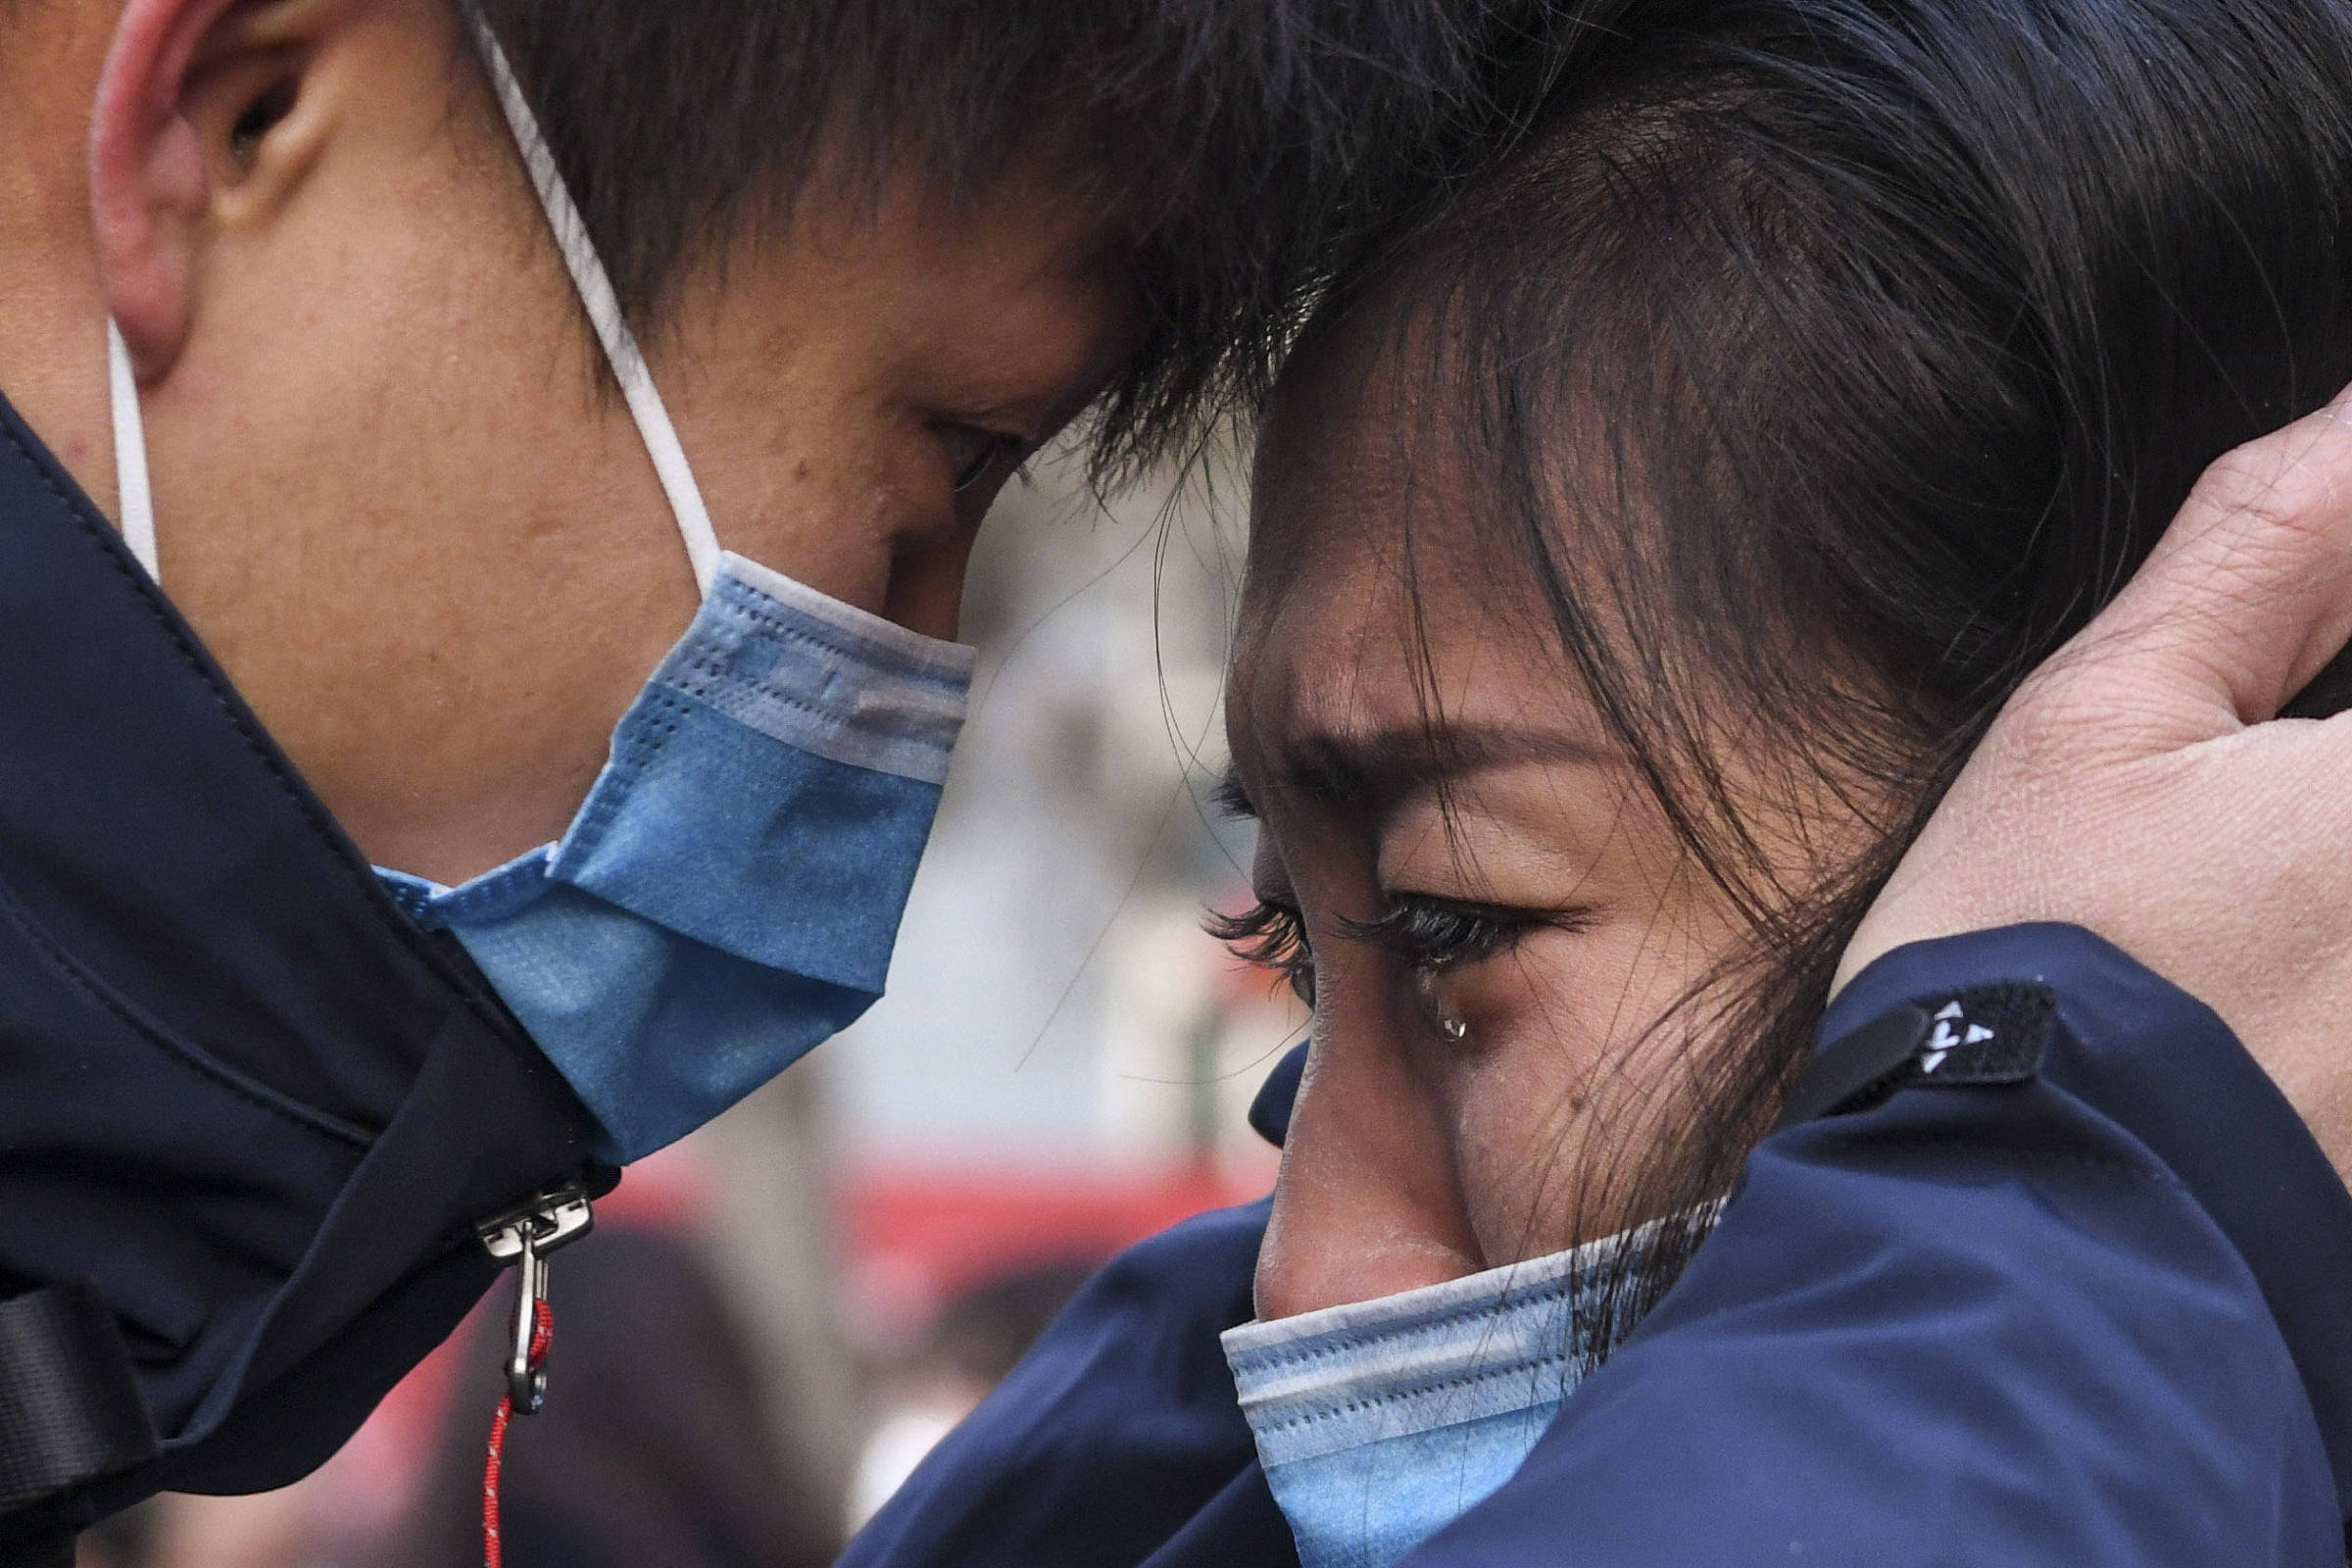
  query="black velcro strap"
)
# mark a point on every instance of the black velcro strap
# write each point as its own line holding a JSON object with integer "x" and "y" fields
{"x": 70, "y": 1407}
{"x": 1986, "y": 1035}
{"x": 1853, "y": 1064}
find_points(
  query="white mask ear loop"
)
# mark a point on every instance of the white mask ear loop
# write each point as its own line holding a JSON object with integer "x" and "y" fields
{"x": 604, "y": 312}
{"x": 134, "y": 500}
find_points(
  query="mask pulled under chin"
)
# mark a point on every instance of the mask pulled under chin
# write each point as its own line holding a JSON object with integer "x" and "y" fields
{"x": 728, "y": 895}
{"x": 1380, "y": 1422}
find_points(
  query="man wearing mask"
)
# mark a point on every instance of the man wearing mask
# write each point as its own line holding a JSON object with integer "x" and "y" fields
{"x": 358, "y": 477}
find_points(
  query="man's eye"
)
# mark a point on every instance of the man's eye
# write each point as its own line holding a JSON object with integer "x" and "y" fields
{"x": 974, "y": 454}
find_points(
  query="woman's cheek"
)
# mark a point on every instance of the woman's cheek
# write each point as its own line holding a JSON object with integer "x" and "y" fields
{"x": 1516, "y": 1084}
{"x": 1558, "y": 1069}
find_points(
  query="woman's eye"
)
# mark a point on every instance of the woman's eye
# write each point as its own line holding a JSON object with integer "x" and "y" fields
{"x": 974, "y": 454}
{"x": 1433, "y": 936}
{"x": 1271, "y": 936}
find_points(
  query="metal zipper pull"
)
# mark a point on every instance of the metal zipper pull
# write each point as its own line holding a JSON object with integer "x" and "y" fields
{"x": 552, "y": 1220}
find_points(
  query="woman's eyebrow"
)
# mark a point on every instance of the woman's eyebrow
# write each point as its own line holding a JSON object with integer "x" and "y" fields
{"x": 1375, "y": 772}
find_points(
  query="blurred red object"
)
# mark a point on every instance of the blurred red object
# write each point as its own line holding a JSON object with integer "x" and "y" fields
{"x": 913, "y": 1237}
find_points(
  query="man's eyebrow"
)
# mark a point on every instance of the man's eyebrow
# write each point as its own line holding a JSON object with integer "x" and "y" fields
{"x": 1373, "y": 772}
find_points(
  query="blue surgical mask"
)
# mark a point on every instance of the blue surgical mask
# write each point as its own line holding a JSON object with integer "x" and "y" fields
{"x": 1380, "y": 1422}
{"x": 728, "y": 895}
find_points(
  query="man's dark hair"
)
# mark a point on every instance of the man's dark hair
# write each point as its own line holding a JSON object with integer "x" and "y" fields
{"x": 1248, "y": 145}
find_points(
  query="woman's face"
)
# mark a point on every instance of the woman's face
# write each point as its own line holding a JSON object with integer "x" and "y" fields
{"x": 1499, "y": 910}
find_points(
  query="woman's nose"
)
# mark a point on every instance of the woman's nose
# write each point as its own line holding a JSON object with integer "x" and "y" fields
{"x": 1369, "y": 1202}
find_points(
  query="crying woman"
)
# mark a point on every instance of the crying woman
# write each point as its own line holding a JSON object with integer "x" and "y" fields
{"x": 1640, "y": 549}
{"x": 1638, "y": 554}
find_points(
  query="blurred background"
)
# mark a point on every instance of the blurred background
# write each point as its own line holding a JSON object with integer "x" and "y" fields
{"x": 776, "y": 1318}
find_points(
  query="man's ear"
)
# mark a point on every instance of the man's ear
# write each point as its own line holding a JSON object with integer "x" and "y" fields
{"x": 197, "y": 128}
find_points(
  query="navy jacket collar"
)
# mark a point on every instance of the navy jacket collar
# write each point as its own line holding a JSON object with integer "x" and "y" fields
{"x": 241, "y": 1096}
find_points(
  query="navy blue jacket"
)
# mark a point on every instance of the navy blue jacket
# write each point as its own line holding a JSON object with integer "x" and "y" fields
{"x": 2080, "y": 1298}
{"x": 248, "y": 1110}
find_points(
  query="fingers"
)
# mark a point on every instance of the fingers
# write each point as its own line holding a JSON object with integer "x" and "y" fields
{"x": 2247, "y": 595}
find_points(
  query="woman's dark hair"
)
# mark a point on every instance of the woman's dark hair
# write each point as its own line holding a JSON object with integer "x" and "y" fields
{"x": 1829, "y": 363}
{"x": 1249, "y": 146}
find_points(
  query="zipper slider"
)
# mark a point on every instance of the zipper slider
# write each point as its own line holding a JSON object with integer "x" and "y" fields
{"x": 554, "y": 1220}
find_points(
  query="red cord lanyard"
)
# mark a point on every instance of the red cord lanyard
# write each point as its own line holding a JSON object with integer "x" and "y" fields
{"x": 526, "y": 1234}
{"x": 542, "y": 1333}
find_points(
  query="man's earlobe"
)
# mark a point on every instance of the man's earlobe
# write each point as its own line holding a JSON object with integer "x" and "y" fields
{"x": 192, "y": 100}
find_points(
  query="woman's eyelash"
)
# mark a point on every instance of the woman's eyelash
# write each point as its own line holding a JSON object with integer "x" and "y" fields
{"x": 974, "y": 454}
{"x": 1432, "y": 936}
{"x": 1435, "y": 934}
{"x": 1271, "y": 936}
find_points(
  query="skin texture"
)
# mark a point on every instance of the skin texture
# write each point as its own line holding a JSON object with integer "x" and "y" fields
{"x": 1414, "y": 1156}
{"x": 391, "y": 493}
